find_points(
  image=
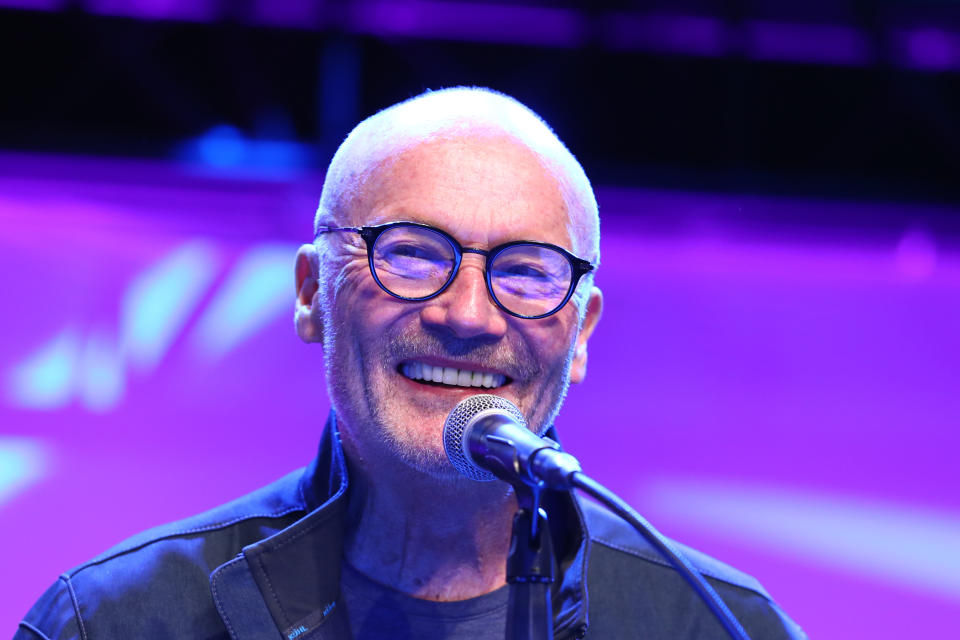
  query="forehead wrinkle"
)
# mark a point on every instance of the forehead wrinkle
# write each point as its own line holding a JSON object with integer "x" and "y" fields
{"x": 519, "y": 176}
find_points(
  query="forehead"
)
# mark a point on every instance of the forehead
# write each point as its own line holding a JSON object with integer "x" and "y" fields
{"x": 483, "y": 189}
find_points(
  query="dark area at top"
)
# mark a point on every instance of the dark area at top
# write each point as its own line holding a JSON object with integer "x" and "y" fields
{"x": 79, "y": 82}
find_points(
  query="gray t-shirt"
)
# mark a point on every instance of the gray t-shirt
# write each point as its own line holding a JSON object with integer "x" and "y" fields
{"x": 377, "y": 611}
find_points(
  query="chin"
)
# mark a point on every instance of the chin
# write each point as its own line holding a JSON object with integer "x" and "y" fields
{"x": 421, "y": 452}
{"x": 433, "y": 467}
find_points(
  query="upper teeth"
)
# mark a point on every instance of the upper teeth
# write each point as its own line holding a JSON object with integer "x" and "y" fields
{"x": 452, "y": 376}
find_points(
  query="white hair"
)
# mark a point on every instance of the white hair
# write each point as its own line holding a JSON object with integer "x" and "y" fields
{"x": 453, "y": 113}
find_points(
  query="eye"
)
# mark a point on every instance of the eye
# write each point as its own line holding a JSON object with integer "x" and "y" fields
{"x": 414, "y": 251}
{"x": 521, "y": 270}
{"x": 413, "y": 258}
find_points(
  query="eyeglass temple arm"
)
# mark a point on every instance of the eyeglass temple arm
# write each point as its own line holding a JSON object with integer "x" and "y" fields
{"x": 321, "y": 230}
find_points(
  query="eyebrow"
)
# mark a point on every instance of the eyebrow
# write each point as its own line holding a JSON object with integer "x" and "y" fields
{"x": 378, "y": 221}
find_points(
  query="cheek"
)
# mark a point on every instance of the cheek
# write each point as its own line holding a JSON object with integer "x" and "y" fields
{"x": 549, "y": 346}
{"x": 351, "y": 277}
{"x": 350, "y": 292}
{"x": 551, "y": 339}
{"x": 361, "y": 316}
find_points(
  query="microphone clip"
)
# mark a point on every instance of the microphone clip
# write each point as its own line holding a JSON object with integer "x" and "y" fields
{"x": 530, "y": 568}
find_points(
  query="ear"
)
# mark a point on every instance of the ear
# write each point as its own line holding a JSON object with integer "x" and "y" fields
{"x": 578, "y": 370}
{"x": 307, "y": 316}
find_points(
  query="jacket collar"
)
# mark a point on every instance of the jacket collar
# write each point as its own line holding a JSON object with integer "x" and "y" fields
{"x": 297, "y": 570}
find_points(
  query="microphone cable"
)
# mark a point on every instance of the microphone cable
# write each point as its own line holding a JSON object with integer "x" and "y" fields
{"x": 707, "y": 593}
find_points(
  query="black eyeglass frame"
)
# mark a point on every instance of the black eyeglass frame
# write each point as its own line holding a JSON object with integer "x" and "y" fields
{"x": 578, "y": 266}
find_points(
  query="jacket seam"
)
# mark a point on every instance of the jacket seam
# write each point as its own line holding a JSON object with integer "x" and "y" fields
{"x": 184, "y": 532}
{"x": 273, "y": 593}
{"x": 579, "y": 617}
{"x": 29, "y": 627}
{"x": 660, "y": 561}
{"x": 216, "y": 596}
{"x": 76, "y": 605}
{"x": 303, "y": 494}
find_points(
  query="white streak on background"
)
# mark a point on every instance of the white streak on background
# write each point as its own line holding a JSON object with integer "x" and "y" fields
{"x": 46, "y": 379}
{"x": 103, "y": 381}
{"x": 257, "y": 291}
{"x": 904, "y": 544}
{"x": 22, "y": 462}
{"x": 159, "y": 302}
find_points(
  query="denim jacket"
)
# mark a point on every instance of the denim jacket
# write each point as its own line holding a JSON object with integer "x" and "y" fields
{"x": 267, "y": 566}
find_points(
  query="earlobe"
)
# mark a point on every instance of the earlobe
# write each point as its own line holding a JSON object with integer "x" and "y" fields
{"x": 307, "y": 316}
{"x": 578, "y": 369}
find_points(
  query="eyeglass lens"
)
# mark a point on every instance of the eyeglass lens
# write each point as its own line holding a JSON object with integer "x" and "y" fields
{"x": 414, "y": 262}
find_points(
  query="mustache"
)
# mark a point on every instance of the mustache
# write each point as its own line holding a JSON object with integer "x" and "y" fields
{"x": 509, "y": 354}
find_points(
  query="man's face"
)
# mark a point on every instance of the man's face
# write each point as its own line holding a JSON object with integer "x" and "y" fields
{"x": 484, "y": 192}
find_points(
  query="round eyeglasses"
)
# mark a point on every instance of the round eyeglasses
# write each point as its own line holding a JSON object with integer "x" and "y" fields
{"x": 415, "y": 262}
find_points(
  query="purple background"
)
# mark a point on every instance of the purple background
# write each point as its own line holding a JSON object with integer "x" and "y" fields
{"x": 783, "y": 397}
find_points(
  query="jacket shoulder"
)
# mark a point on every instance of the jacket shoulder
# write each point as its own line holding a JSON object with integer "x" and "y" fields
{"x": 156, "y": 583}
{"x": 53, "y": 616}
{"x": 274, "y": 501}
{"x": 625, "y": 567}
{"x": 609, "y": 530}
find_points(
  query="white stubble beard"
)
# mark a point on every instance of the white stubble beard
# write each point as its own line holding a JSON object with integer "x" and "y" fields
{"x": 378, "y": 433}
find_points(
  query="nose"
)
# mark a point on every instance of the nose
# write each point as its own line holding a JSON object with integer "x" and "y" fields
{"x": 465, "y": 308}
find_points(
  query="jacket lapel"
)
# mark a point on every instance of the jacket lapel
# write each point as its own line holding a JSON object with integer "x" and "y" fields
{"x": 239, "y": 602}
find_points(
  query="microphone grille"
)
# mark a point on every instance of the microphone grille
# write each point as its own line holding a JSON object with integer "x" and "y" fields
{"x": 454, "y": 431}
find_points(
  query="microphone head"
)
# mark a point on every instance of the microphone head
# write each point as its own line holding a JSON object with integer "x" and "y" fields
{"x": 457, "y": 428}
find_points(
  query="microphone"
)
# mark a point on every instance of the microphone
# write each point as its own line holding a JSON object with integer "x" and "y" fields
{"x": 486, "y": 437}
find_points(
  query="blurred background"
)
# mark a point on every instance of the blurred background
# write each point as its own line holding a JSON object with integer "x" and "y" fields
{"x": 778, "y": 357}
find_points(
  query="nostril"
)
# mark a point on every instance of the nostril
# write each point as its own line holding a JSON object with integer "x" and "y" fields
{"x": 466, "y": 309}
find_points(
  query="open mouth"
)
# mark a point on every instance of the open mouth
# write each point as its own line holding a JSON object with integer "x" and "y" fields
{"x": 451, "y": 376}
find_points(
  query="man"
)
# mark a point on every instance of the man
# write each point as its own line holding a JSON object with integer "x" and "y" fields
{"x": 455, "y": 242}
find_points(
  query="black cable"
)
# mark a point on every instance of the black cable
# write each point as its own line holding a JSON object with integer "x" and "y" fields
{"x": 680, "y": 563}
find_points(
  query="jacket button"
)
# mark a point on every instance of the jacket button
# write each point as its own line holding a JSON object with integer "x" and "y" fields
{"x": 581, "y": 631}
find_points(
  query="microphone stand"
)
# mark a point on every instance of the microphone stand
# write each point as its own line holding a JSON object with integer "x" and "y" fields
{"x": 530, "y": 569}
{"x": 485, "y": 435}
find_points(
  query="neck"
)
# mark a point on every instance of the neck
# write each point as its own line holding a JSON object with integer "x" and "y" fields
{"x": 436, "y": 539}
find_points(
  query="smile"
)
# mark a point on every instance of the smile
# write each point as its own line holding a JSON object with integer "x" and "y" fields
{"x": 451, "y": 376}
